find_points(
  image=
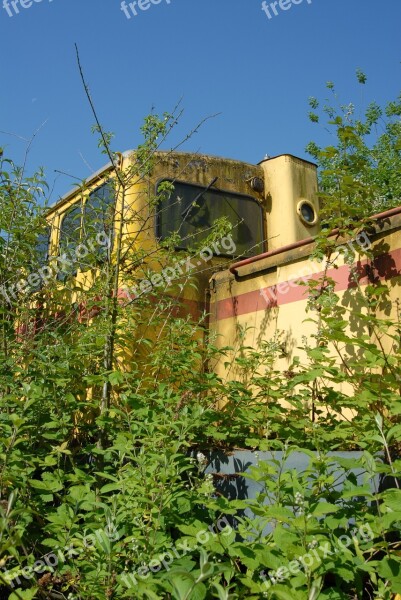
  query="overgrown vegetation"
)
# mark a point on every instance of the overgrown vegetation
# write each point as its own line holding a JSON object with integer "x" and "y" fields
{"x": 102, "y": 477}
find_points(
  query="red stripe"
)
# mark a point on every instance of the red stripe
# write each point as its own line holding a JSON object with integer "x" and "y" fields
{"x": 383, "y": 267}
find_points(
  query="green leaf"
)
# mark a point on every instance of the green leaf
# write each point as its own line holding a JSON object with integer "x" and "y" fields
{"x": 392, "y": 499}
{"x": 361, "y": 77}
{"x": 222, "y": 593}
{"x": 388, "y": 519}
{"x": 116, "y": 378}
{"x": 50, "y": 483}
{"x": 390, "y": 570}
{"x": 111, "y": 487}
{"x": 182, "y": 583}
{"x": 282, "y": 592}
{"x": 324, "y": 508}
{"x": 20, "y": 594}
{"x": 280, "y": 513}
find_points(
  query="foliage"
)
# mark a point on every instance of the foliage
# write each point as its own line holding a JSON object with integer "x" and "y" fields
{"x": 103, "y": 480}
{"x": 360, "y": 169}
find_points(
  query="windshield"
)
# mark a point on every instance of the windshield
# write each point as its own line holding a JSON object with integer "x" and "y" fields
{"x": 191, "y": 210}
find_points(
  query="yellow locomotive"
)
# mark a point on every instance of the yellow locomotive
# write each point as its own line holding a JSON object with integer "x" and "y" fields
{"x": 251, "y": 278}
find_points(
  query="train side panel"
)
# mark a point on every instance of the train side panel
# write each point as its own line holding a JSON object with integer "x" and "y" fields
{"x": 268, "y": 300}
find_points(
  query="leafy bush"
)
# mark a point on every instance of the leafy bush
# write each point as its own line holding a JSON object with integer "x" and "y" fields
{"x": 103, "y": 486}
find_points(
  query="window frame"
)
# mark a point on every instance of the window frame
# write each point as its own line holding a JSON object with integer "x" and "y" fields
{"x": 82, "y": 203}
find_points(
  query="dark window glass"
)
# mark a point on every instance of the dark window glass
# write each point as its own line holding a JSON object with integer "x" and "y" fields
{"x": 191, "y": 210}
{"x": 70, "y": 233}
{"x": 40, "y": 256}
{"x": 98, "y": 220}
{"x": 42, "y": 248}
{"x": 307, "y": 212}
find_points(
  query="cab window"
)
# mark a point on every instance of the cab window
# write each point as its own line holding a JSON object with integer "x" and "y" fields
{"x": 98, "y": 218}
{"x": 70, "y": 236}
{"x": 42, "y": 247}
{"x": 191, "y": 210}
{"x": 40, "y": 256}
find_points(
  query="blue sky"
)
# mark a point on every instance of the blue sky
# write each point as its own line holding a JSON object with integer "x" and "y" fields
{"x": 219, "y": 56}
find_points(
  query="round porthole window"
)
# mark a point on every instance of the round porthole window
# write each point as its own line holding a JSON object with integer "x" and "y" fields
{"x": 307, "y": 213}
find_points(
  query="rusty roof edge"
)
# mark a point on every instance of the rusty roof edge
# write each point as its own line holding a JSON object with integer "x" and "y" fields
{"x": 127, "y": 154}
